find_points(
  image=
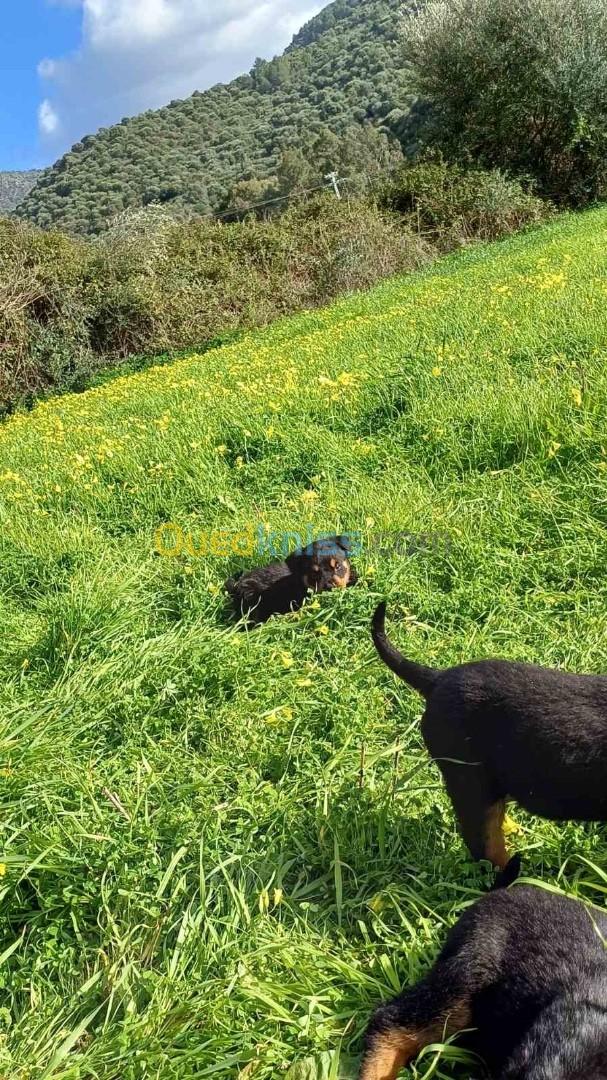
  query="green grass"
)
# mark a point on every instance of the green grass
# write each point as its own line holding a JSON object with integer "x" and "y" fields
{"x": 198, "y": 879}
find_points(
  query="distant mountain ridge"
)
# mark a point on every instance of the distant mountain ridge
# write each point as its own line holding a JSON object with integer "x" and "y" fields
{"x": 342, "y": 69}
{"x": 14, "y": 186}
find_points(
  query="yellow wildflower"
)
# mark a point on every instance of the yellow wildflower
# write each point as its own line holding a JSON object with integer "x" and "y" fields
{"x": 511, "y": 827}
{"x": 576, "y": 395}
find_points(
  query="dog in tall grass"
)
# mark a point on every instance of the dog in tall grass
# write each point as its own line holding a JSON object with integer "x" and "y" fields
{"x": 524, "y": 974}
{"x": 501, "y": 730}
{"x": 282, "y": 587}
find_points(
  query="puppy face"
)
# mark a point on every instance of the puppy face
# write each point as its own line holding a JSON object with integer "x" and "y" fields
{"x": 324, "y": 566}
{"x": 327, "y": 572}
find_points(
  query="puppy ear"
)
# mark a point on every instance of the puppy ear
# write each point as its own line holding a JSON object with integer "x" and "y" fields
{"x": 345, "y": 543}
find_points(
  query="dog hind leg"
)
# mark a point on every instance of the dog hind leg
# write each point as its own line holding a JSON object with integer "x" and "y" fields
{"x": 479, "y": 811}
{"x": 429, "y": 1013}
{"x": 495, "y": 842}
{"x": 478, "y": 803}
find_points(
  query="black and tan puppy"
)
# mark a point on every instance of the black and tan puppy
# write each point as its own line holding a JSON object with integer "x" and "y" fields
{"x": 281, "y": 587}
{"x": 500, "y": 730}
{"x": 526, "y": 970}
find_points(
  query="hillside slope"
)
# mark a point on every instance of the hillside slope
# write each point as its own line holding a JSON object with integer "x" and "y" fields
{"x": 343, "y": 68}
{"x": 197, "y": 879}
{"x": 14, "y": 186}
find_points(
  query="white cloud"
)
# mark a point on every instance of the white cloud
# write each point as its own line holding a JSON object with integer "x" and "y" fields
{"x": 124, "y": 22}
{"x": 46, "y": 69}
{"x": 48, "y": 120}
{"x": 141, "y": 54}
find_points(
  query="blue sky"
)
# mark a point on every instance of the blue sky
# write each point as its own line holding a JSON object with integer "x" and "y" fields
{"x": 68, "y": 67}
{"x": 30, "y": 30}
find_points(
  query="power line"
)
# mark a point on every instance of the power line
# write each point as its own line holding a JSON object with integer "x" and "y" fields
{"x": 332, "y": 180}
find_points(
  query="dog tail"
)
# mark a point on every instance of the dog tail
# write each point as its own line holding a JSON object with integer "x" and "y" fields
{"x": 419, "y": 677}
{"x": 508, "y": 875}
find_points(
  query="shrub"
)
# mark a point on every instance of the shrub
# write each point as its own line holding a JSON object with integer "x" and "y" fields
{"x": 518, "y": 84}
{"x": 43, "y": 310}
{"x": 451, "y": 205}
{"x": 151, "y": 284}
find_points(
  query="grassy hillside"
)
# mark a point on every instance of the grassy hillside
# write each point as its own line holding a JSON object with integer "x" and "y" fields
{"x": 196, "y": 879}
{"x": 343, "y": 69}
{"x": 14, "y": 186}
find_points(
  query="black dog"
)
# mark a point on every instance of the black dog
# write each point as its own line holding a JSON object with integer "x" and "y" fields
{"x": 500, "y": 730}
{"x": 527, "y": 970}
{"x": 282, "y": 586}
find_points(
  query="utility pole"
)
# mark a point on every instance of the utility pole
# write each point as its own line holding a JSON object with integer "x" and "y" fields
{"x": 332, "y": 176}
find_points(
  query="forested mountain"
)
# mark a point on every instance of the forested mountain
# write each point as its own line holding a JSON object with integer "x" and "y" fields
{"x": 342, "y": 70}
{"x": 14, "y": 186}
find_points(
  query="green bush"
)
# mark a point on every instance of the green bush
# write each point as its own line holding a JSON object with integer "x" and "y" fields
{"x": 44, "y": 310}
{"x": 451, "y": 205}
{"x": 152, "y": 285}
{"x": 517, "y": 84}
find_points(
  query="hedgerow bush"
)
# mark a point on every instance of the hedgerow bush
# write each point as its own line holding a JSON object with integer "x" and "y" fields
{"x": 453, "y": 205}
{"x": 44, "y": 310}
{"x": 151, "y": 284}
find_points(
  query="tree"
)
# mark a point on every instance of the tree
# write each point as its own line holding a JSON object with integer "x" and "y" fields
{"x": 295, "y": 172}
{"x": 249, "y": 194}
{"x": 518, "y": 84}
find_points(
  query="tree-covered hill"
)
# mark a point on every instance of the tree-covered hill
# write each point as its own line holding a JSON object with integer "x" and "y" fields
{"x": 342, "y": 70}
{"x": 14, "y": 186}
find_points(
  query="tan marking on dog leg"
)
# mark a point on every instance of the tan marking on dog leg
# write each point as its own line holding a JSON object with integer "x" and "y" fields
{"x": 391, "y": 1052}
{"x": 495, "y": 843}
{"x": 394, "y": 1049}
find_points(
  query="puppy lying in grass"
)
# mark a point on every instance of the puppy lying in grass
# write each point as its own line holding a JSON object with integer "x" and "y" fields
{"x": 527, "y": 970}
{"x": 500, "y": 730}
{"x": 282, "y": 586}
